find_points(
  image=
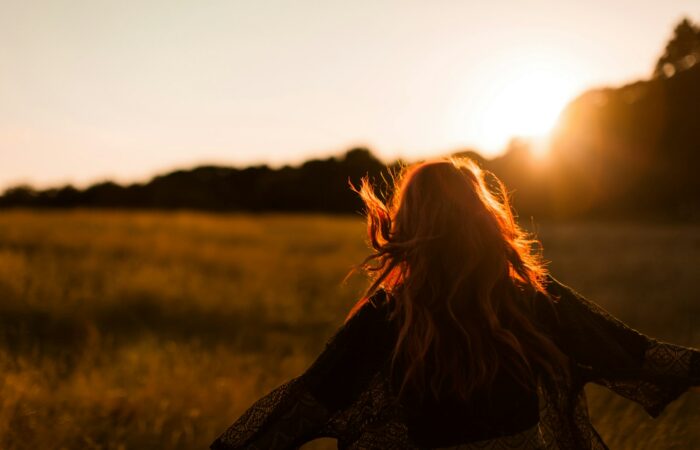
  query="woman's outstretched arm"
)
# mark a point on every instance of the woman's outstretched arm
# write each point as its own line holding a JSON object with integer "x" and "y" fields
{"x": 303, "y": 408}
{"x": 284, "y": 418}
{"x": 643, "y": 369}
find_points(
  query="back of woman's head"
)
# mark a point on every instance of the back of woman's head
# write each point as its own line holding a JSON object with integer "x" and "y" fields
{"x": 463, "y": 277}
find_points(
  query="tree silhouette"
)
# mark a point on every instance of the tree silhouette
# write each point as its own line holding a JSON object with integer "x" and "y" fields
{"x": 682, "y": 51}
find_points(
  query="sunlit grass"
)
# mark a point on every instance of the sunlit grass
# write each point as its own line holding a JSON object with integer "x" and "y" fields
{"x": 156, "y": 330}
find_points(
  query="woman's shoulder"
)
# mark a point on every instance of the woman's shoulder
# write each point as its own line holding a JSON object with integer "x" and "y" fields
{"x": 559, "y": 296}
{"x": 379, "y": 300}
{"x": 556, "y": 288}
{"x": 558, "y": 305}
{"x": 567, "y": 301}
{"x": 376, "y": 306}
{"x": 369, "y": 322}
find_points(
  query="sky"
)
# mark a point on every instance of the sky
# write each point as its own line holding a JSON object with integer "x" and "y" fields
{"x": 123, "y": 90}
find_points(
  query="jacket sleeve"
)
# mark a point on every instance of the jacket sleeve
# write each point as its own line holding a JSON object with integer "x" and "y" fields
{"x": 608, "y": 352}
{"x": 302, "y": 409}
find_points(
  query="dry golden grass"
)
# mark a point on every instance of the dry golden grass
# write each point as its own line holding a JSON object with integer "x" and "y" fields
{"x": 155, "y": 330}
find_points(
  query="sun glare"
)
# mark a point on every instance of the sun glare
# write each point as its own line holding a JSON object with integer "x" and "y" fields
{"x": 524, "y": 101}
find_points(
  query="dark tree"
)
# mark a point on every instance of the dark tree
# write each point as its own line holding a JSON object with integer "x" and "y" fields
{"x": 22, "y": 195}
{"x": 682, "y": 51}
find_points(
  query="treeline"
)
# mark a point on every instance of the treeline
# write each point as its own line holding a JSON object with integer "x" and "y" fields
{"x": 626, "y": 152}
{"x": 635, "y": 149}
{"x": 320, "y": 185}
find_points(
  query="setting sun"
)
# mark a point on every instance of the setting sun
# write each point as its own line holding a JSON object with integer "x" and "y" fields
{"x": 523, "y": 100}
{"x": 528, "y": 104}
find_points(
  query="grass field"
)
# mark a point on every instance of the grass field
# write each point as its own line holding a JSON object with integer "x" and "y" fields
{"x": 156, "y": 330}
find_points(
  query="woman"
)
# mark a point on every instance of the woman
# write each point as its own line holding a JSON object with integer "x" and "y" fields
{"x": 463, "y": 340}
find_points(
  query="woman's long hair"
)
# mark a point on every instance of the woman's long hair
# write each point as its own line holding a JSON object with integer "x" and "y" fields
{"x": 463, "y": 278}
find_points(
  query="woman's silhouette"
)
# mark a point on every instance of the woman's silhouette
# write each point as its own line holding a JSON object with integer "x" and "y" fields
{"x": 463, "y": 340}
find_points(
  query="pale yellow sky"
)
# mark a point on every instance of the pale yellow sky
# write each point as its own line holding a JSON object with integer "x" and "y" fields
{"x": 91, "y": 90}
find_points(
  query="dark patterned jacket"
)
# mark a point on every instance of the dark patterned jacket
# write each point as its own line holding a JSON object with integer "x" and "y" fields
{"x": 348, "y": 393}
